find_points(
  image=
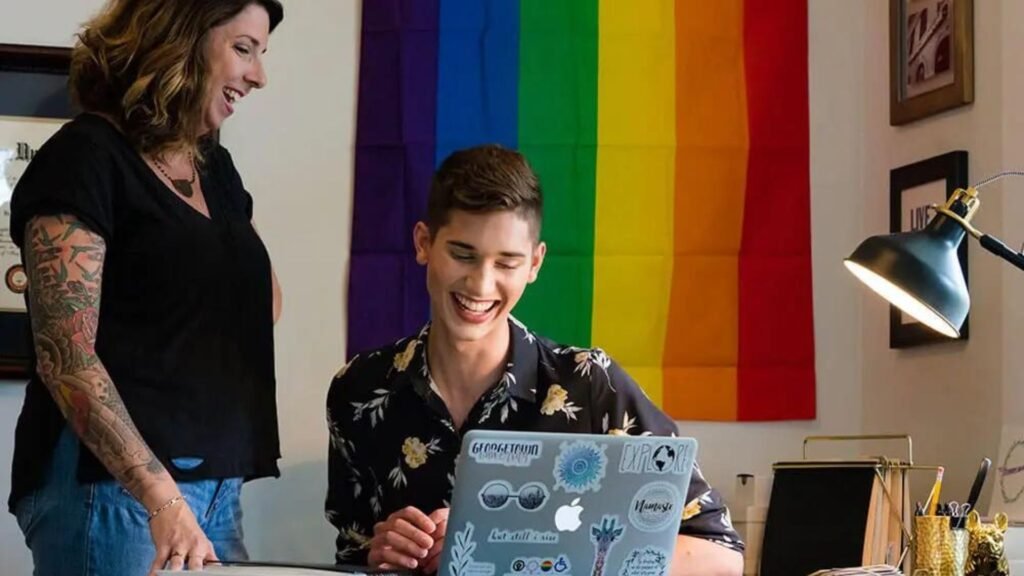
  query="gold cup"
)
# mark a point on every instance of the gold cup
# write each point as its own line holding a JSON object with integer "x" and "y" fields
{"x": 933, "y": 546}
{"x": 958, "y": 541}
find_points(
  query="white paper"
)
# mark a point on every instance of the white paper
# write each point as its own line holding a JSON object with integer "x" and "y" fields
{"x": 1007, "y": 474}
{"x": 19, "y": 139}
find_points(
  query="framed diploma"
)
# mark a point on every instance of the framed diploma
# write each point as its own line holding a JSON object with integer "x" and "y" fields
{"x": 34, "y": 104}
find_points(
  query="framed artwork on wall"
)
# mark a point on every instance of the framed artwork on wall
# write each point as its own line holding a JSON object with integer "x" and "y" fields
{"x": 931, "y": 57}
{"x": 912, "y": 190}
{"x": 34, "y": 104}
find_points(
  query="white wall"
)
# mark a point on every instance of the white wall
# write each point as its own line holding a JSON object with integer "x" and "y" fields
{"x": 293, "y": 146}
{"x": 292, "y": 143}
{"x": 1011, "y": 192}
{"x": 837, "y": 68}
{"x": 947, "y": 396}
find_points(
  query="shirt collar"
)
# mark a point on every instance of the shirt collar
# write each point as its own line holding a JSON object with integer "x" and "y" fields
{"x": 522, "y": 363}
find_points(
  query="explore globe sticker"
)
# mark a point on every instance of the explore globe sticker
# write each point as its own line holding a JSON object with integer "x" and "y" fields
{"x": 654, "y": 507}
{"x": 580, "y": 466}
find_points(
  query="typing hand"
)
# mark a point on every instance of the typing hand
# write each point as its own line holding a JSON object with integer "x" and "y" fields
{"x": 433, "y": 559}
{"x": 402, "y": 541}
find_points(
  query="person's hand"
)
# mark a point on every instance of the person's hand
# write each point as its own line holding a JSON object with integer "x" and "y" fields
{"x": 402, "y": 541}
{"x": 179, "y": 540}
{"x": 433, "y": 560}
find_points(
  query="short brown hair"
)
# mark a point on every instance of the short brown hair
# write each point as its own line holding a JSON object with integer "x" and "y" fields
{"x": 485, "y": 179}
{"x": 143, "y": 63}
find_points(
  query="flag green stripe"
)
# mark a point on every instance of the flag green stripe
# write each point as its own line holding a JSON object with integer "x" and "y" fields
{"x": 558, "y": 134}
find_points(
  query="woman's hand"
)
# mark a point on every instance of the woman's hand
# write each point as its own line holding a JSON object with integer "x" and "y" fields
{"x": 179, "y": 540}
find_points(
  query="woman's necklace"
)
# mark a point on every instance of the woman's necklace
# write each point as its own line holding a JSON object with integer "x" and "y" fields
{"x": 184, "y": 187}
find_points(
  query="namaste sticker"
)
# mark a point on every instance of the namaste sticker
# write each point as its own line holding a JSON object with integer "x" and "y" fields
{"x": 655, "y": 506}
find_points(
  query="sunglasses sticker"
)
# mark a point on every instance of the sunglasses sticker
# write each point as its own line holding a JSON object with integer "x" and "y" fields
{"x": 654, "y": 458}
{"x": 646, "y": 561}
{"x": 580, "y": 466}
{"x": 519, "y": 453}
{"x": 654, "y": 507}
{"x": 496, "y": 494}
{"x": 522, "y": 536}
{"x": 559, "y": 566}
{"x": 461, "y": 562}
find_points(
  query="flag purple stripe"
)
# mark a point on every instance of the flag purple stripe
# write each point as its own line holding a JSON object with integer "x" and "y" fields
{"x": 394, "y": 160}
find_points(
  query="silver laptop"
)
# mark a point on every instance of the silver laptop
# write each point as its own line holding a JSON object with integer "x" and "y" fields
{"x": 541, "y": 504}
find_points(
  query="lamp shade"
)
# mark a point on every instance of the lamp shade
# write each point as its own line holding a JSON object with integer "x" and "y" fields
{"x": 919, "y": 273}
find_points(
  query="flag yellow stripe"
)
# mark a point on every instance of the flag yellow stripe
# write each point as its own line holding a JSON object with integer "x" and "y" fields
{"x": 635, "y": 184}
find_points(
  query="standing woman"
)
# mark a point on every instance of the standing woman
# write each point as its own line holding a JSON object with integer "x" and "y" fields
{"x": 152, "y": 300}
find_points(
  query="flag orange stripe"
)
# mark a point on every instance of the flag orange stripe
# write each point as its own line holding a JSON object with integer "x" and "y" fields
{"x": 701, "y": 342}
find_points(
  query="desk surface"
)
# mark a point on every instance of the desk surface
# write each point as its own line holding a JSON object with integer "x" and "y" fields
{"x": 269, "y": 571}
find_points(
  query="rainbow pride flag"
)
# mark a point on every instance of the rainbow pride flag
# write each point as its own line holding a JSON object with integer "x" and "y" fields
{"x": 671, "y": 139}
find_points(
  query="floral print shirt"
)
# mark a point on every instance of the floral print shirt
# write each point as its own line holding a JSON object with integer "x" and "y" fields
{"x": 393, "y": 443}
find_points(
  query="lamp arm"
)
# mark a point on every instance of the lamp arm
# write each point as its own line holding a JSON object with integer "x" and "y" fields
{"x": 996, "y": 246}
{"x": 968, "y": 202}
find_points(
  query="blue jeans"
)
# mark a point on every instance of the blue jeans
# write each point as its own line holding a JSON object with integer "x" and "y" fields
{"x": 101, "y": 530}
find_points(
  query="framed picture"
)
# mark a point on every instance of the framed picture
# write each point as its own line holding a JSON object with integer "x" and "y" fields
{"x": 34, "y": 104}
{"x": 912, "y": 189}
{"x": 931, "y": 57}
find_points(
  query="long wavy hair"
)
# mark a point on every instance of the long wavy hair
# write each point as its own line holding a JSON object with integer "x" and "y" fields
{"x": 143, "y": 63}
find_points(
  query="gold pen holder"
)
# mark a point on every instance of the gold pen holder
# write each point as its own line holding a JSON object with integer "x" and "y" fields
{"x": 938, "y": 550}
{"x": 959, "y": 540}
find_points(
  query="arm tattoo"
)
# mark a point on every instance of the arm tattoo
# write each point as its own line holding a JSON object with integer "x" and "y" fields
{"x": 64, "y": 260}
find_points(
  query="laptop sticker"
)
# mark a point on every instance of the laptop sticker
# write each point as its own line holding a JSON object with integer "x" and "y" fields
{"x": 462, "y": 563}
{"x": 580, "y": 466}
{"x": 654, "y": 507}
{"x": 496, "y": 494}
{"x": 518, "y": 453}
{"x": 604, "y": 536}
{"x": 646, "y": 561}
{"x": 558, "y": 566}
{"x": 522, "y": 536}
{"x": 653, "y": 458}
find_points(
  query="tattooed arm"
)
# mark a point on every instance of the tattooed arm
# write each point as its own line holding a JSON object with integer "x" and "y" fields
{"x": 64, "y": 260}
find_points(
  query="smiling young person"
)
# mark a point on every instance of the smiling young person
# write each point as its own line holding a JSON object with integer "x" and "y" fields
{"x": 151, "y": 297}
{"x": 397, "y": 414}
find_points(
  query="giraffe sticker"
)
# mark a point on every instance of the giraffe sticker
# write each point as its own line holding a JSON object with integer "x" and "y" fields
{"x": 604, "y": 536}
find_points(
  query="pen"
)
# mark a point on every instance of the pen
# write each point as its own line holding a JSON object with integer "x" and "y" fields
{"x": 933, "y": 498}
{"x": 979, "y": 481}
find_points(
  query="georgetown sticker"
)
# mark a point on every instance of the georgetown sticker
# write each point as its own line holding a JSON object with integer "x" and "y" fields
{"x": 519, "y": 453}
{"x": 647, "y": 561}
{"x": 580, "y": 466}
{"x": 654, "y": 458}
{"x": 654, "y": 507}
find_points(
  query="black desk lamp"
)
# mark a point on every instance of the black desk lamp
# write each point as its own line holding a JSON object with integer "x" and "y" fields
{"x": 919, "y": 273}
